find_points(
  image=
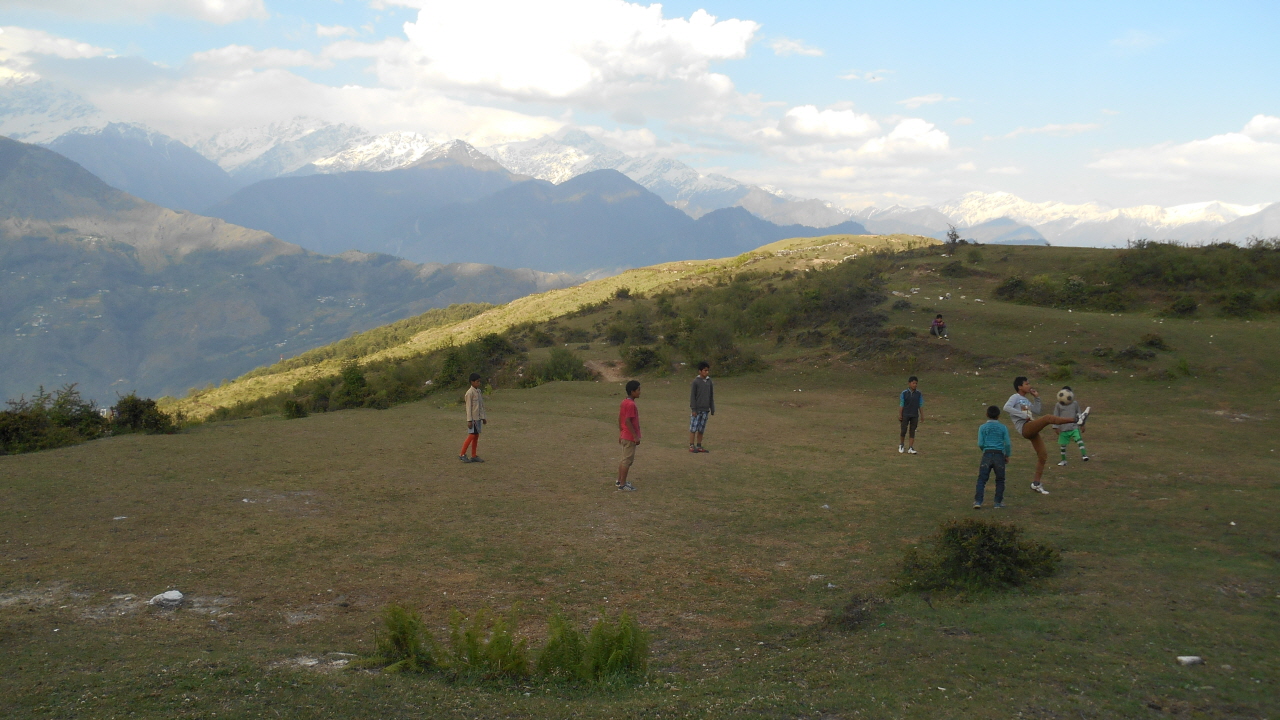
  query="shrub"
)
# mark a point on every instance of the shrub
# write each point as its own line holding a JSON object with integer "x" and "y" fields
{"x": 975, "y": 256}
{"x": 135, "y": 414}
{"x": 402, "y": 643}
{"x": 1154, "y": 341}
{"x": 575, "y": 335}
{"x": 1182, "y": 306}
{"x": 615, "y": 649}
{"x": 976, "y": 556}
{"x": 485, "y": 646}
{"x": 902, "y": 304}
{"x": 563, "y": 365}
{"x": 1059, "y": 373}
{"x": 293, "y": 409}
{"x": 640, "y": 358}
{"x": 622, "y": 293}
{"x": 49, "y": 421}
{"x": 1240, "y": 304}
{"x": 955, "y": 269}
{"x": 1102, "y": 352}
{"x": 561, "y": 656}
{"x": 540, "y": 338}
{"x": 1135, "y": 353}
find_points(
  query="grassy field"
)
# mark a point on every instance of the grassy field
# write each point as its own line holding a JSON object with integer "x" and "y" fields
{"x": 289, "y": 536}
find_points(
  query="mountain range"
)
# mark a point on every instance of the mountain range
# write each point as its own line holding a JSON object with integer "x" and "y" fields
{"x": 162, "y": 173}
{"x": 118, "y": 294}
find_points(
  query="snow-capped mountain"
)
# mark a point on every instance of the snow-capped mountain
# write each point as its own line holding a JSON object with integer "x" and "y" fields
{"x": 390, "y": 151}
{"x": 266, "y": 151}
{"x": 38, "y": 111}
{"x": 572, "y": 152}
{"x": 978, "y": 207}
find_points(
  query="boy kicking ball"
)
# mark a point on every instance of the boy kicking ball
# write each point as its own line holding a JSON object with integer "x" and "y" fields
{"x": 1068, "y": 407}
{"x": 1021, "y": 406}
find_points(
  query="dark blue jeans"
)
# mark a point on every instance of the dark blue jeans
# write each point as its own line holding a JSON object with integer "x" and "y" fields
{"x": 991, "y": 460}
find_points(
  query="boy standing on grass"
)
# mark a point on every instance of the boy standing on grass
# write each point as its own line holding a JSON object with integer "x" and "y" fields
{"x": 910, "y": 406}
{"x": 474, "y": 401}
{"x": 1069, "y": 431}
{"x": 628, "y": 433}
{"x": 702, "y": 402}
{"x": 993, "y": 440}
{"x": 1021, "y": 405}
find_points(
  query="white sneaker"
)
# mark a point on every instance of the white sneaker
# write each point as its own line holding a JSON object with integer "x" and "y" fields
{"x": 912, "y": 451}
{"x": 1062, "y": 464}
{"x": 1083, "y": 416}
{"x": 902, "y": 448}
{"x": 1084, "y": 458}
{"x": 1039, "y": 488}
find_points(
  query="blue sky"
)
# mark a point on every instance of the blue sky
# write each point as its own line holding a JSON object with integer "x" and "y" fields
{"x": 860, "y": 103}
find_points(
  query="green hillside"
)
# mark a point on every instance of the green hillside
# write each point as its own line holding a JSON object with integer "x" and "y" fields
{"x": 794, "y": 254}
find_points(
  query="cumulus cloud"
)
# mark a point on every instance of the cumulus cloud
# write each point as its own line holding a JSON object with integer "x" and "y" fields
{"x": 911, "y": 137}
{"x": 783, "y": 47}
{"x": 19, "y": 47}
{"x": 591, "y": 54}
{"x": 1245, "y": 155}
{"x": 1056, "y": 129}
{"x": 806, "y": 121}
{"x": 214, "y": 11}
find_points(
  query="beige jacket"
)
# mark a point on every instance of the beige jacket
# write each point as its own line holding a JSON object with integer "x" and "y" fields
{"x": 475, "y": 404}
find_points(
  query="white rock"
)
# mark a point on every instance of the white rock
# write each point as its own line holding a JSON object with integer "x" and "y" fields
{"x": 1190, "y": 660}
{"x": 171, "y": 598}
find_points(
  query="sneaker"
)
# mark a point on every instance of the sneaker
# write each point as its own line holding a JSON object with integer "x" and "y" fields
{"x": 1083, "y": 416}
{"x": 1062, "y": 464}
{"x": 912, "y": 451}
{"x": 476, "y": 459}
{"x": 628, "y": 487}
{"x": 1039, "y": 488}
{"x": 977, "y": 506}
{"x": 1084, "y": 458}
{"x": 702, "y": 449}
{"x": 902, "y": 448}
{"x": 464, "y": 458}
{"x": 999, "y": 506}
{"x": 693, "y": 449}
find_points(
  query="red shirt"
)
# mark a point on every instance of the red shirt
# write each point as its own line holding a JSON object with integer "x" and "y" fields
{"x": 628, "y": 410}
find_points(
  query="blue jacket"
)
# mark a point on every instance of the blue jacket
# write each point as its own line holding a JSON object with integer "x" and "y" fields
{"x": 993, "y": 435}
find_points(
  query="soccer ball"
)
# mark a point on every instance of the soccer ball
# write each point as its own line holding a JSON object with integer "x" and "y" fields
{"x": 1066, "y": 397}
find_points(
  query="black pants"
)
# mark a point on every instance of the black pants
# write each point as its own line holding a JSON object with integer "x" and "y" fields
{"x": 991, "y": 460}
{"x": 909, "y": 422}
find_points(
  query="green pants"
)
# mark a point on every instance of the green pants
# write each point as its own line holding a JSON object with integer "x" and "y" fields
{"x": 1066, "y": 436}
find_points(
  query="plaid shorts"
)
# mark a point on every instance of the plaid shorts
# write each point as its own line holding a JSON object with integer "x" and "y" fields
{"x": 698, "y": 421}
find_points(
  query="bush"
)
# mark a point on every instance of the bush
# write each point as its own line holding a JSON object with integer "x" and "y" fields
{"x": 1135, "y": 353}
{"x": 1182, "y": 306}
{"x": 902, "y": 304}
{"x": 1155, "y": 341}
{"x": 49, "y": 421}
{"x": 135, "y": 414}
{"x": 640, "y": 358}
{"x": 973, "y": 556}
{"x": 485, "y": 646}
{"x": 561, "y": 656}
{"x": 955, "y": 269}
{"x": 293, "y": 409}
{"x": 975, "y": 256}
{"x": 402, "y": 644}
{"x": 564, "y": 365}
{"x": 1239, "y": 304}
{"x": 615, "y": 649}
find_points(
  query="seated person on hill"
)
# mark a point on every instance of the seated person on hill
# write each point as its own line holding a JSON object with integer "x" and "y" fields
{"x": 938, "y": 328}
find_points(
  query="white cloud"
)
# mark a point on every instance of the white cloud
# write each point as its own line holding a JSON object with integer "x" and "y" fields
{"x": 1261, "y": 126}
{"x": 1244, "y": 155}
{"x": 19, "y": 48}
{"x": 871, "y": 76}
{"x": 1105, "y": 111}
{"x": 921, "y": 100}
{"x": 592, "y": 54}
{"x": 214, "y": 11}
{"x": 807, "y": 121}
{"x": 1056, "y": 129}
{"x": 242, "y": 57}
{"x": 966, "y": 167}
{"x": 911, "y": 137}
{"x": 1007, "y": 170}
{"x": 963, "y": 121}
{"x": 332, "y": 31}
{"x": 783, "y": 47}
